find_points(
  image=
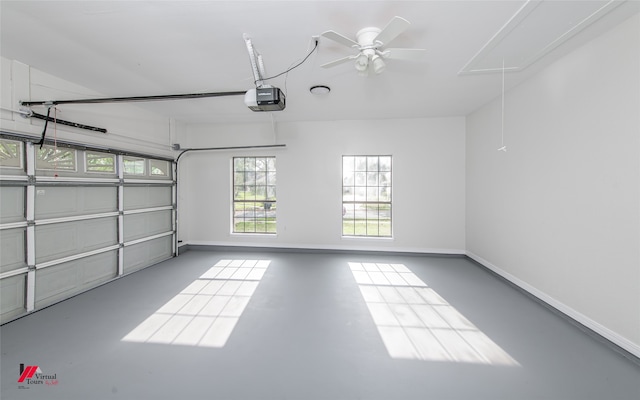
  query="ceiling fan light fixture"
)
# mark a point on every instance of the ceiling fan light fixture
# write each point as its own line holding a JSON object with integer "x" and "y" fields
{"x": 372, "y": 42}
{"x": 362, "y": 62}
{"x": 378, "y": 64}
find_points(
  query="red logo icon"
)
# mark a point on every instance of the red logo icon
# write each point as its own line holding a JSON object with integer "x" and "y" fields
{"x": 28, "y": 372}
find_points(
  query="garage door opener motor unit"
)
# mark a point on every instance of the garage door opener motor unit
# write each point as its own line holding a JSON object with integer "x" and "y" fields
{"x": 265, "y": 98}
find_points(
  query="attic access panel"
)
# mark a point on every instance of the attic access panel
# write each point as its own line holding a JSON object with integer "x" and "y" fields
{"x": 535, "y": 30}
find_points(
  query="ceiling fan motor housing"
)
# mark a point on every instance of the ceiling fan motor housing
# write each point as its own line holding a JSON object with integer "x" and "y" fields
{"x": 366, "y": 37}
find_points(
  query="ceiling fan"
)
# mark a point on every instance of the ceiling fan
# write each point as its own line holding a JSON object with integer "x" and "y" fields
{"x": 371, "y": 44}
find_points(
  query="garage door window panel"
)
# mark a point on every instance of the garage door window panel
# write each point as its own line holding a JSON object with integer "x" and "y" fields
{"x": 53, "y": 158}
{"x": 11, "y": 155}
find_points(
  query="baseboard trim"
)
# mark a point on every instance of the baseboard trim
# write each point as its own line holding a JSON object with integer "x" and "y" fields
{"x": 321, "y": 250}
{"x": 619, "y": 343}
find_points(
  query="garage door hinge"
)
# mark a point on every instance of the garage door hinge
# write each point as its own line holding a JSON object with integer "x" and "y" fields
{"x": 31, "y": 222}
{"x": 31, "y": 179}
{"x": 31, "y": 267}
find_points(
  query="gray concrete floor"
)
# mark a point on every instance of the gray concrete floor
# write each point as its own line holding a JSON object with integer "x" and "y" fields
{"x": 307, "y": 332}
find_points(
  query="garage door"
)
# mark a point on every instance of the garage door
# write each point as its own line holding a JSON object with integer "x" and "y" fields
{"x": 72, "y": 218}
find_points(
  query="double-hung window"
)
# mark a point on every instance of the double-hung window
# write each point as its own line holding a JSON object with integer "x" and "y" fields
{"x": 254, "y": 195}
{"x": 366, "y": 196}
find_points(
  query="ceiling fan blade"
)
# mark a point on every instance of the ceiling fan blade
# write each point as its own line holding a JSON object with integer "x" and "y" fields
{"x": 395, "y": 27}
{"x": 405, "y": 54}
{"x": 337, "y": 62}
{"x": 336, "y": 37}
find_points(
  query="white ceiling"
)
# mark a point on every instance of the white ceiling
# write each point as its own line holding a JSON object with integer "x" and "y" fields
{"x": 130, "y": 48}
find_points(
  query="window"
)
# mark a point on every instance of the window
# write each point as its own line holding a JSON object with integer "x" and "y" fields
{"x": 10, "y": 153}
{"x": 159, "y": 167}
{"x": 254, "y": 195}
{"x": 134, "y": 166}
{"x": 366, "y": 196}
{"x": 56, "y": 158}
{"x": 100, "y": 162}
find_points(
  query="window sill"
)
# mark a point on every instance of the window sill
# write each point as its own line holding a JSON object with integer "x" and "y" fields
{"x": 387, "y": 238}
{"x": 252, "y": 234}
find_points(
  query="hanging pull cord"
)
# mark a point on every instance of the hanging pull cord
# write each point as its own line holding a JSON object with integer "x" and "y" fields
{"x": 503, "y": 148}
{"x": 44, "y": 131}
{"x": 55, "y": 140}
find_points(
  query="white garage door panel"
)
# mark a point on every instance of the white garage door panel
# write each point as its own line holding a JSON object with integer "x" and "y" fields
{"x": 64, "y": 201}
{"x": 12, "y": 249}
{"x": 136, "y": 197}
{"x": 18, "y": 171}
{"x": 137, "y": 226}
{"x": 61, "y": 240}
{"x": 12, "y": 297}
{"x": 12, "y": 204}
{"x": 62, "y": 281}
{"x": 147, "y": 253}
{"x": 94, "y": 215}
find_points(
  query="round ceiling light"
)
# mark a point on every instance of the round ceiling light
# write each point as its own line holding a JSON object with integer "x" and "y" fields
{"x": 319, "y": 89}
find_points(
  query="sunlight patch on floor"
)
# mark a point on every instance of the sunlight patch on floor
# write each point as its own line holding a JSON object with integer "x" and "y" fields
{"x": 416, "y": 323}
{"x": 205, "y": 312}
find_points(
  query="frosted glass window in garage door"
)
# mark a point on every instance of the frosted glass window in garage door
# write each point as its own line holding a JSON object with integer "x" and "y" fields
{"x": 11, "y": 154}
{"x": 54, "y": 158}
{"x": 98, "y": 162}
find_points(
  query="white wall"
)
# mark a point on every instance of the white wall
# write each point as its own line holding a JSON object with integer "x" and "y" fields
{"x": 559, "y": 212}
{"x": 428, "y": 182}
{"x": 128, "y": 126}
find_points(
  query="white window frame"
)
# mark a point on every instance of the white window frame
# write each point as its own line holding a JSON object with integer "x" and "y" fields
{"x": 363, "y": 188}
{"x": 269, "y": 203}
